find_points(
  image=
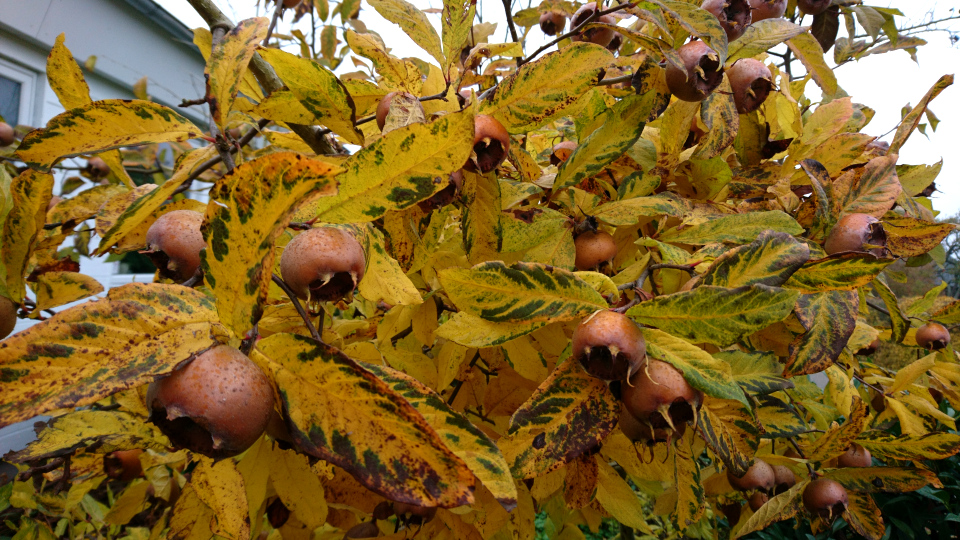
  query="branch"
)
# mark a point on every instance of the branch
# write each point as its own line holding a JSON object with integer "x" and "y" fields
{"x": 508, "y": 9}
{"x": 296, "y": 304}
{"x": 206, "y": 165}
{"x": 615, "y": 80}
{"x": 273, "y": 21}
{"x": 688, "y": 268}
{"x": 575, "y": 31}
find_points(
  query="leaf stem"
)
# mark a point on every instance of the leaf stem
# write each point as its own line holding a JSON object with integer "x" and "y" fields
{"x": 296, "y": 304}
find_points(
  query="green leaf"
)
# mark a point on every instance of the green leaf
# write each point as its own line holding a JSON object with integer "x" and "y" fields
{"x": 948, "y": 314}
{"x": 105, "y": 430}
{"x": 769, "y": 260}
{"x": 806, "y": 48}
{"x": 541, "y": 90}
{"x": 414, "y": 23}
{"x": 757, "y": 372}
{"x": 830, "y": 319}
{"x": 884, "y": 479}
{"x": 735, "y": 229}
{"x": 887, "y": 446}
{"x": 716, "y": 315}
{"x": 710, "y": 375}
{"x": 838, "y": 272}
{"x": 523, "y": 292}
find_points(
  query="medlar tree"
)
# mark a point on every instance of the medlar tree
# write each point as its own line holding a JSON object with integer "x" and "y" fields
{"x": 446, "y": 295}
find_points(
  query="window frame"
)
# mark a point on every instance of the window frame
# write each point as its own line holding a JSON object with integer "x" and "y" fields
{"x": 28, "y": 80}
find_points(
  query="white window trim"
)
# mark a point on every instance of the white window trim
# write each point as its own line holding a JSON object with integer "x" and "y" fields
{"x": 29, "y": 89}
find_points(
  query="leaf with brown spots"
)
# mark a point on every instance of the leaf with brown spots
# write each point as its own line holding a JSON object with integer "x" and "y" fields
{"x": 248, "y": 211}
{"x": 227, "y": 65}
{"x": 85, "y": 353}
{"x": 864, "y": 516}
{"x": 884, "y": 479}
{"x": 568, "y": 414}
{"x": 220, "y": 486}
{"x": 30, "y": 193}
{"x": 839, "y": 437}
{"x": 54, "y": 289}
{"x": 871, "y": 189}
{"x": 344, "y": 414}
{"x": 830, "y": 319}
{"x": 580, "y": 484}
{"x": 837, "y": 272}
{"x": 104, "y": 431}
{"x": 909, "y": 237}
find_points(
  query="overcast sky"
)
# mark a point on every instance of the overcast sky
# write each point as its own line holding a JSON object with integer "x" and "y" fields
{"x": 883, "y": 82}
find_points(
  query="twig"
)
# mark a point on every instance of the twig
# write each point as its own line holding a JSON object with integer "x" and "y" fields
{"x": 459, "y": 382}
{"x": 614, "y": 80}
{"x": 192, "y": 102}
{"x": 688, "y": 268}
{"x": 296, "y": 304}
{"x": 878, "y": 308}
{"x": 273, "y": 22}
{"x": 508, "y": 10}
{"x": 796, "y": 447}
{"x": 197, "y": 277}
{"x": 575, "y": 31}
{"x": 206, "y": 165}
{"x": 54, "y": 463}
{"x": 868, "y": 385}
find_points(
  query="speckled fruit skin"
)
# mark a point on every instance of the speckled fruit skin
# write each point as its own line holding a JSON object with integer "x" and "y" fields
{"x": 600, "y": 36}
{"x": 813, "y": 7}
{"x": 552, "y": 22}
{"x": 783, "y": 479}
{"x": 595, "y": 338}
{"x": 849, "y": 234}
{"x": 750, "y": 74}
{"x": 760, "y": 476}
{"x": 734, "y": 15}
{"x": 123, "y": 464}
{"x": 687, "y": 84}
{"x": 767, "y": 9}
{"x": 491, "y": 142}
{"x": 561, "y": 152}
{"x": 217, "y": 405}
{"x": 658, "y": 387}
{"x": 323, "y": 264}
{"x": 593, "y": 248}
{"x": 7, "y": 134}
{"x": 174, "y": 242}
{"x": 825, "y": 497}
{"x": 933, "y": 336}
{"x": 855, "y": 456}
{"x": 97, "y": 168}
{"x": 8, "y": 316}
{"x": 383, "y": 108}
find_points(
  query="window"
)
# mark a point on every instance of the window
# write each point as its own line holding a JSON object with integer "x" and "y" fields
{"x": 10, "y": 100}
{"x": 18, "y": 99}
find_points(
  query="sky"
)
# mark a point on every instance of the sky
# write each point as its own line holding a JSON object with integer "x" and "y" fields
{"x": 886, "y": 82}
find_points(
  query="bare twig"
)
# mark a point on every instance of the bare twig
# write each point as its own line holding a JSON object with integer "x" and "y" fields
{"x": 508, "y": 9}
{"x": 197, "y": 277}
{"x": 575, "y": 31}
{"x": 796, "y": 447}
{"x": 459, "y": 382}
{"x": 296, "y": 304}
{"x": 192, "y": 102}
{"x": 206, "y": 165}
{"x": 273, "y": 21}
{"x": 868, "y": 385}
{"x": 614, "y": 80}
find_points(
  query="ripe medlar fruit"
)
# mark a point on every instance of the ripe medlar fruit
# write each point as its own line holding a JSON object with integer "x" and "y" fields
{"x": 8, "y": 316}
{"x": 933, "y": 336}
{"x": 871, "y": 348}
{"x": 767, "y": 9}
{"x": 609, "y": 345}
{"x": 97, "y": 168}
{"x": 552, "y": 22}
{"x": 418, "y": 515}
{"x": 384, "y": 107}
{"x": 174, "y": 242}
{"x": 658, "y": 394}
{"x": 491, "y": 142}
{"x": 561, "y": 152}
{"x": 825, "y": 498}
{"x": 277, "y": 513}
{"x": 600, "y": 36}
{"x": 323, "y": 264}
{"x": 291, "y": 3}
{"x": 593, "y": 248}
{"x": 383, "y": 510}
{"x": 7, "y": 134}
{"x": 855, "y": 456}
{"x": 641, "y": 431}
{"x": 734, "y": 15}
{"x": 615, "y": 43}
{"x": 367, "y": 529}
{"x": 783, "y": 479}
{"x": 123, "y": 464}
{"x": 217, "y": 405}
{"x": 760, "y": 476}
{"x": 852, "y": 231}
{"x": 813, "y": 7}
{"x": 702, "y": 72}
{"x": 446, "y": 195}
{"x": 752, "y": 82}
{"x": 758, "y": 499}
{"x": 731, "y": 511}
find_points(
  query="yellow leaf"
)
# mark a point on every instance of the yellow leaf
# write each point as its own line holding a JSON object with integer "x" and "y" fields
{"x": 783, "y": 506}
{"x": 413, "y": 22}
{"x": 618, "y": 498}
{"x": 909, "y": 374}
{"x": 65, "y": 78}
{"x": 806, "y": 48}
{"x": 298, "y": 486}
{"x": 472, "y": 331}
{"x": 935, "y": 445}
{"x": 283, "y": 106}
{"x": 864, "y": 516}
{"x": 227, "y": 65}
{"x": 838, "y": 438}
{"x": 366, "y": 95}
{"x": 398, "y": 74}
{"x": 249, "y": 210}
{"x": 131, "y": 502}
{"x": 30, "y": 193}
{"x": 384, "y": 279}
{"x": 525, "y": 359}
{"x": 425, "y": 323}
{"x": 90, "y": 351}
{"x": 457, "y": 24}
{"x": 730, "y": 431}
{"x": 910, "y": 423}
{"x": 839, "y": 390}
{"x": 686, "y": 478}
{"x": 191, "y": 519}
{"x": 220, "y": 486}
{"x": 482, "y": 223}
{"x": 55, "y": 289}
{"x": 103, "y": 125}
{"x": 884, "y": 479}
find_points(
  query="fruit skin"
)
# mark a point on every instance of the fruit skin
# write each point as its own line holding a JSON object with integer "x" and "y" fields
{"x": 813, "y": 7}
{"x": 323, "y": 264}
{"x": 97, "y": 168}
{"x": 767, "y": 9}
{"x": 277, "y": 513}
{"x": 552, "y": 22}
{"x": 615, "y": 43}
{"x": 491, "y": 142}
{"x": 750, "y": 75}
{"x": 7, "y": 134}
{"x": 384, "y": 107}
{"x": 123, "y": 464}
{"x": 732, "y": 512}
{"x": 383, "y": 510}
{"x": 8, "y": 316}
{"x": 878, "y": 402}
{"x": 758, "y": 499}
{"x": 561, "y": 152}
{"x": 825, "y": 497}
{"x": 174, "y": 242}
{"x": 783, "y": 479}
{"x": 597, "y": 337}
{"x": 760, "y": 475}
{"x": 658, "y": 393}
{"x": 417, "y": 514}
{"x": 593, "y": 248}
{"x": 933, "y": 336}
{"x": 855, "y": 456}
{"x": 291, "y": 3}
{"x": 600, "y": 36}
{"x": 852, "y": 231}
{"x": 217, "y": 405}
{"x": 640, "y": 431}
{"x": 734, "y": 15}
{"x": 368, "y": 529}
{"x": 871, "y": 348}
{"x": 688, "y": 84}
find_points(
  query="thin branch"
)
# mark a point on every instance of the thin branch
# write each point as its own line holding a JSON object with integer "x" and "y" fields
{"x": 688, "y": 268}
{"x": 508, "y": 9}
{"x": 459, "y": 383}
{"x": 796, "y": 447}
{"x": 615, "y": 80}
{"x": 868, "y": 385}
{"x": 273, "y": 21}
{"x": 575, "y": 31}
{"x": 296, "y": 304}
{"x": 206, "y": 165}
{"x": 878, "y": 308}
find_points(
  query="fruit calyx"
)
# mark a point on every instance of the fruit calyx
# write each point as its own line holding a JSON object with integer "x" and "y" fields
{"x": 609, "y": 345}
{"x": 701, "y": 75}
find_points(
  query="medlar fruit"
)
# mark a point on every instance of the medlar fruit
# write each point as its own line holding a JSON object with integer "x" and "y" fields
{"x": 216, "y": 405}
{"x": 446, "y": 195}
{"x": 552, "y": 22}
{"x": 97, "y": 168}
{"x": 291, "y": 3}
{"x": 641, "y": 431}
{"x": 419, "y": 515}
{"x": 760, "y": 476}
{"x": 561, "y": 152}
{"x": 752, "y": 82}
{"x": 933, "y": 336}
{"x": 731, "y": 511}
{"x": 825, "y": 498}
{"x": 367, "y": 529}
{"x": 123, "y": 464}
{"x": 8, "y": 316}
{"x": 600, "y": 36}
{"x": 491, "y": 142}
{"x": 609, "y": 345}
{"x": 323, "y": 264}
{"x": 855, "y": 456}
{"x": 174, "y": 242}
{"x": 734, "y": 15}
{"x": 384, "y": 107}
{"x": 852, "y": 232}
{"x": 702, "y": 72}
{"x": 7, "y": 134}
{"x": 871, "y": 348}
{"x": 657, "y": 393}
{"x": 758, "y": 499}
{"x": 593, "y": 248}
{"x": 783, "y": 479}
{"x": 813, "y": 7}
{"x": 767, "y": 9}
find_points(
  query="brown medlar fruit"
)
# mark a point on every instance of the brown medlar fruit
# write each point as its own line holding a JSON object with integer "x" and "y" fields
{"x": 825, "y": 498}
{"x": 552, "y": 22}
{"x": 783, "y": 479}
{"x": 291, "y": 3}
{"x": 752, "y": 82}
{"x": 760, "y": 476}
{"x": 767, "y": 9}
{"x": 657, "y": 393}
{"x": 97, "y": 168}
{"x": 446, "y": 195}
{"x": 933, "y": 336}
{"x": 871, "y": 348}
{"x": 418, "y": 515}
{"x": 323, "y": 264}
{"x": 734, "y": 15}
{"x": 855, "y": 456}
{"x": 702, "y": 72}
{"x": 561, "y": 152}
{"x": 593, "y": 248}
{"x": 758, "y": 499}
{"x": 174, "y": 242}
{"x": 731, "y": 511}
{"x": 7, "y": 134}
{"x": 123, "y": 464}
{"x": 383, "y": 510}
{"x": 813, "y": 7}
{"x": 8, "y": 316}
{"x": 615, "y": 43}
{"x": 491, "y": 142}
{"x": 852, "y": 232}
{"x": 277, "y": 513}
{"x": 217, "y": 405}
{"x": 641, "y": 431}
{"x": 600, "y": 36}
{"x": 609, "y": 345}
{"x": 367, "y": 529}
{"x": 384, "y": 107}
